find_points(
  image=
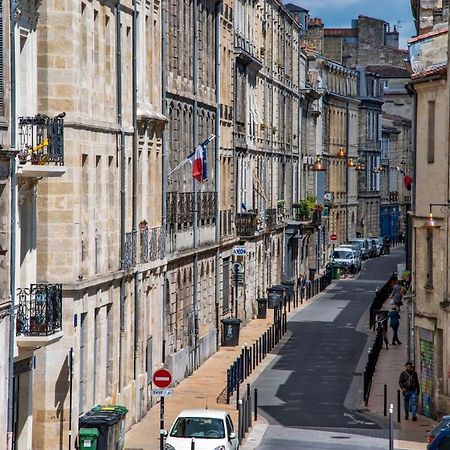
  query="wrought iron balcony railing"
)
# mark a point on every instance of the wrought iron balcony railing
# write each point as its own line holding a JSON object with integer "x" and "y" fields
{"x": 153, "y": 244}
{"x": 41, "y": 140}
{"x": 181, "y": 205}
{"x": 226, "y": 220}
{"x": 271, "y": 217}
{"x": 246, "y": 224}
{"x": 39, "y": 310}
{"x": 129, "y": 259}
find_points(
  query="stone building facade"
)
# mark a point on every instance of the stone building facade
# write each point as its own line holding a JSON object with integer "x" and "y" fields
{"x": 430, "y": 341}
{"x": 341, "y": 131}
{"x": 369, "y": 180}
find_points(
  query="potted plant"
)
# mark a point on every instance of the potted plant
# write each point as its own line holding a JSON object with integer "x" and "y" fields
{"x": 281, "y": 204}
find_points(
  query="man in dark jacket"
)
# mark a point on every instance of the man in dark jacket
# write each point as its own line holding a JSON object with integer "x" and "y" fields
{"x": 409, "y": 384}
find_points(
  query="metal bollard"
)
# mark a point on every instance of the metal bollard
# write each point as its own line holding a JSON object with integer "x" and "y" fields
{"x": 255, "y": 393}
{"x": 228, "y": 385}
{"x": 237, "y": 396}
{"x": 254, "y": 356}
{"x": 398, "y": 406}
{"x": 193, "y": 444}
{"x": 391, "y": 427}
{"x": 385, "y": 400}
{"x": 249, "y": 404}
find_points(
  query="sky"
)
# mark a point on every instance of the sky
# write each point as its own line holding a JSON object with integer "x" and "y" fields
{"x": 339, "y": 13}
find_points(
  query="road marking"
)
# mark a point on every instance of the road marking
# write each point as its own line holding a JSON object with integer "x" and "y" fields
{"x": 356, "y": 421}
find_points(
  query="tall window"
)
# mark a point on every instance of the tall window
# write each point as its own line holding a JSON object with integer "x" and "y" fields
{"x": 429, "y": 261}
{"x": 431, "y": 131}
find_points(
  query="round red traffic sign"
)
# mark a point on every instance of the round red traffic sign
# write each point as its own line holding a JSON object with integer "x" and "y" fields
{"x": 162, "y": 378}
{"x": 333, "y": 237}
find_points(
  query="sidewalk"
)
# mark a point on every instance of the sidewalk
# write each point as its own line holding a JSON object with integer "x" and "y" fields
{"x": 409, "y": 434}
{"x": 203, "y": 387}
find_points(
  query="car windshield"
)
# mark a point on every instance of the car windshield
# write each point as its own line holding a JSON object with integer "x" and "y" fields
{"x": 358, "y": 243}
{"x": 198, "y": 427}
{"x": 342, "y": 254}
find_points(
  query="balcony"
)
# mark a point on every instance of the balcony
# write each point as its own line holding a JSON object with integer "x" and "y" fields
{"x": 130, "y": 250}
{"x": 271, "y": 218}
{"x": 181, "y": 206}
{"x": 226, "y": 221}
{"x": 41, "y": 146}
{"x": 39, "y": 315}
{"x": 428, "y": 54}
{"x": 246, "y": 224}
{"x": 153, "y": 244}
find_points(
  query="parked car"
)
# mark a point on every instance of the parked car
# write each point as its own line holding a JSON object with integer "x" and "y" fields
{"x": 211, "y": 430}
{"x": 432, "y": 435}
{"x": 378, "y": 243}
{"x": 356, "y": 250}
{"x": 364, "y": 243}
{"x": 343, "y": 257}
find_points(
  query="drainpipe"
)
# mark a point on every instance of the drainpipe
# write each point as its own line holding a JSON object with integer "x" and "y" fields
{"x": 164, "y": 164}
{"x": 347, "y": 148}
{"x": 137, "y": 275}
{"x": 194, "y": 182}
{"x": 12, "y": 279}
{"x": 217, "y": 37}
{"x": 122, "y": 196}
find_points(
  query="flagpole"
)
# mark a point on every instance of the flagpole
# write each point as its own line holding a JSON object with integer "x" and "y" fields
{"x": 182, "y": 163}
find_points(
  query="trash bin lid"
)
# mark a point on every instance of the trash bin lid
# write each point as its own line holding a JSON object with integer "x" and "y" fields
{"x": 100, "y": 419}
{"x": 116, "y": 408}
{"x": 278, "y": 288}
{"x": 88, "y": 432}
{"x": 262, "y": 300}
{"x": 231, "y": 321}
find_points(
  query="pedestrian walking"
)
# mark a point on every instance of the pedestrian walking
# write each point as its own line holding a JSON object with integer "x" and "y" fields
{"x": 382, "y": 328}
{"x": 397, "y": 295}
{"x": 409, "y": 384}
{"x": 394, "y": 322}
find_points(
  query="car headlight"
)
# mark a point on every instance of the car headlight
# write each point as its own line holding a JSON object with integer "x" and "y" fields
{"x": 220, "y": 447}
{"x": 168, "y": 447}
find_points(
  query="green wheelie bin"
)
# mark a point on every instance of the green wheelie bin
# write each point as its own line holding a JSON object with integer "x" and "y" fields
{"x": 110, "y": 423}
{"x": 88, "y": 438}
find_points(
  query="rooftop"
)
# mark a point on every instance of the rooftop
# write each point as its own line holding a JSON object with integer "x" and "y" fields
{"x": 388, "y": 71}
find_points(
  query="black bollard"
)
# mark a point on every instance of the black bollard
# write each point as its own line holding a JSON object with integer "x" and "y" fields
{"x": 398, "y": 406}
{"x": 256, "y": 404}
{"x": 385, "y": 400}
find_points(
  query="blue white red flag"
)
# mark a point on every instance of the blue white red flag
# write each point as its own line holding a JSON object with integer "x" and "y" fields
{"x": 198, "y": 159}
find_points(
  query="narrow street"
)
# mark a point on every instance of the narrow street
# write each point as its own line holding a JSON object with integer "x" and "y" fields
{"x": 309, "y": 394}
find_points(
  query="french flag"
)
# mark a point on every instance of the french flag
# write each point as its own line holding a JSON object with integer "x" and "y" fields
{"x": 198, "y": 160}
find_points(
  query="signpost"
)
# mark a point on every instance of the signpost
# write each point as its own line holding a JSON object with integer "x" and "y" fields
{"x": 238, "y": 277}
{"x": 162, "y": 379}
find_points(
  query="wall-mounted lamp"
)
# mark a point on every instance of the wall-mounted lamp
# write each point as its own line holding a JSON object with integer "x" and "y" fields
{"x": 341, "y": 154}
{"x": 318, "y": 166}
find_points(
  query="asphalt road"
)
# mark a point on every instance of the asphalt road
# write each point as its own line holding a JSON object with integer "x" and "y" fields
{"x": 310, "y": 388}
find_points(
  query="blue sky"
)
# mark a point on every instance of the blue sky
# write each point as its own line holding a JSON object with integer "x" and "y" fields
{"x": 339, "y": 13}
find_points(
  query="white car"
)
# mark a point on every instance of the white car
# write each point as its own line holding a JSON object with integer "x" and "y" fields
{"x": 209, "y": 428}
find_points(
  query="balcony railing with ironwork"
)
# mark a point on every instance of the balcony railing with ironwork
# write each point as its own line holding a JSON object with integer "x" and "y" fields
{"x": 246, "y": 224}
{"x": 153, "y": 244}
{"x": 41, "y": 140}
{"x": 129, "y": 259}
{"x": 39, "y": 310}
{"x": 181, "y": 205}
{"x": 271, "y": 217}
{"x": 226, "y": 221}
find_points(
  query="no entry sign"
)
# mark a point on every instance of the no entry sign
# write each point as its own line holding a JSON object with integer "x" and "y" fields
{"x": 333, "y": 237}
{"x": 162, "y": 378}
